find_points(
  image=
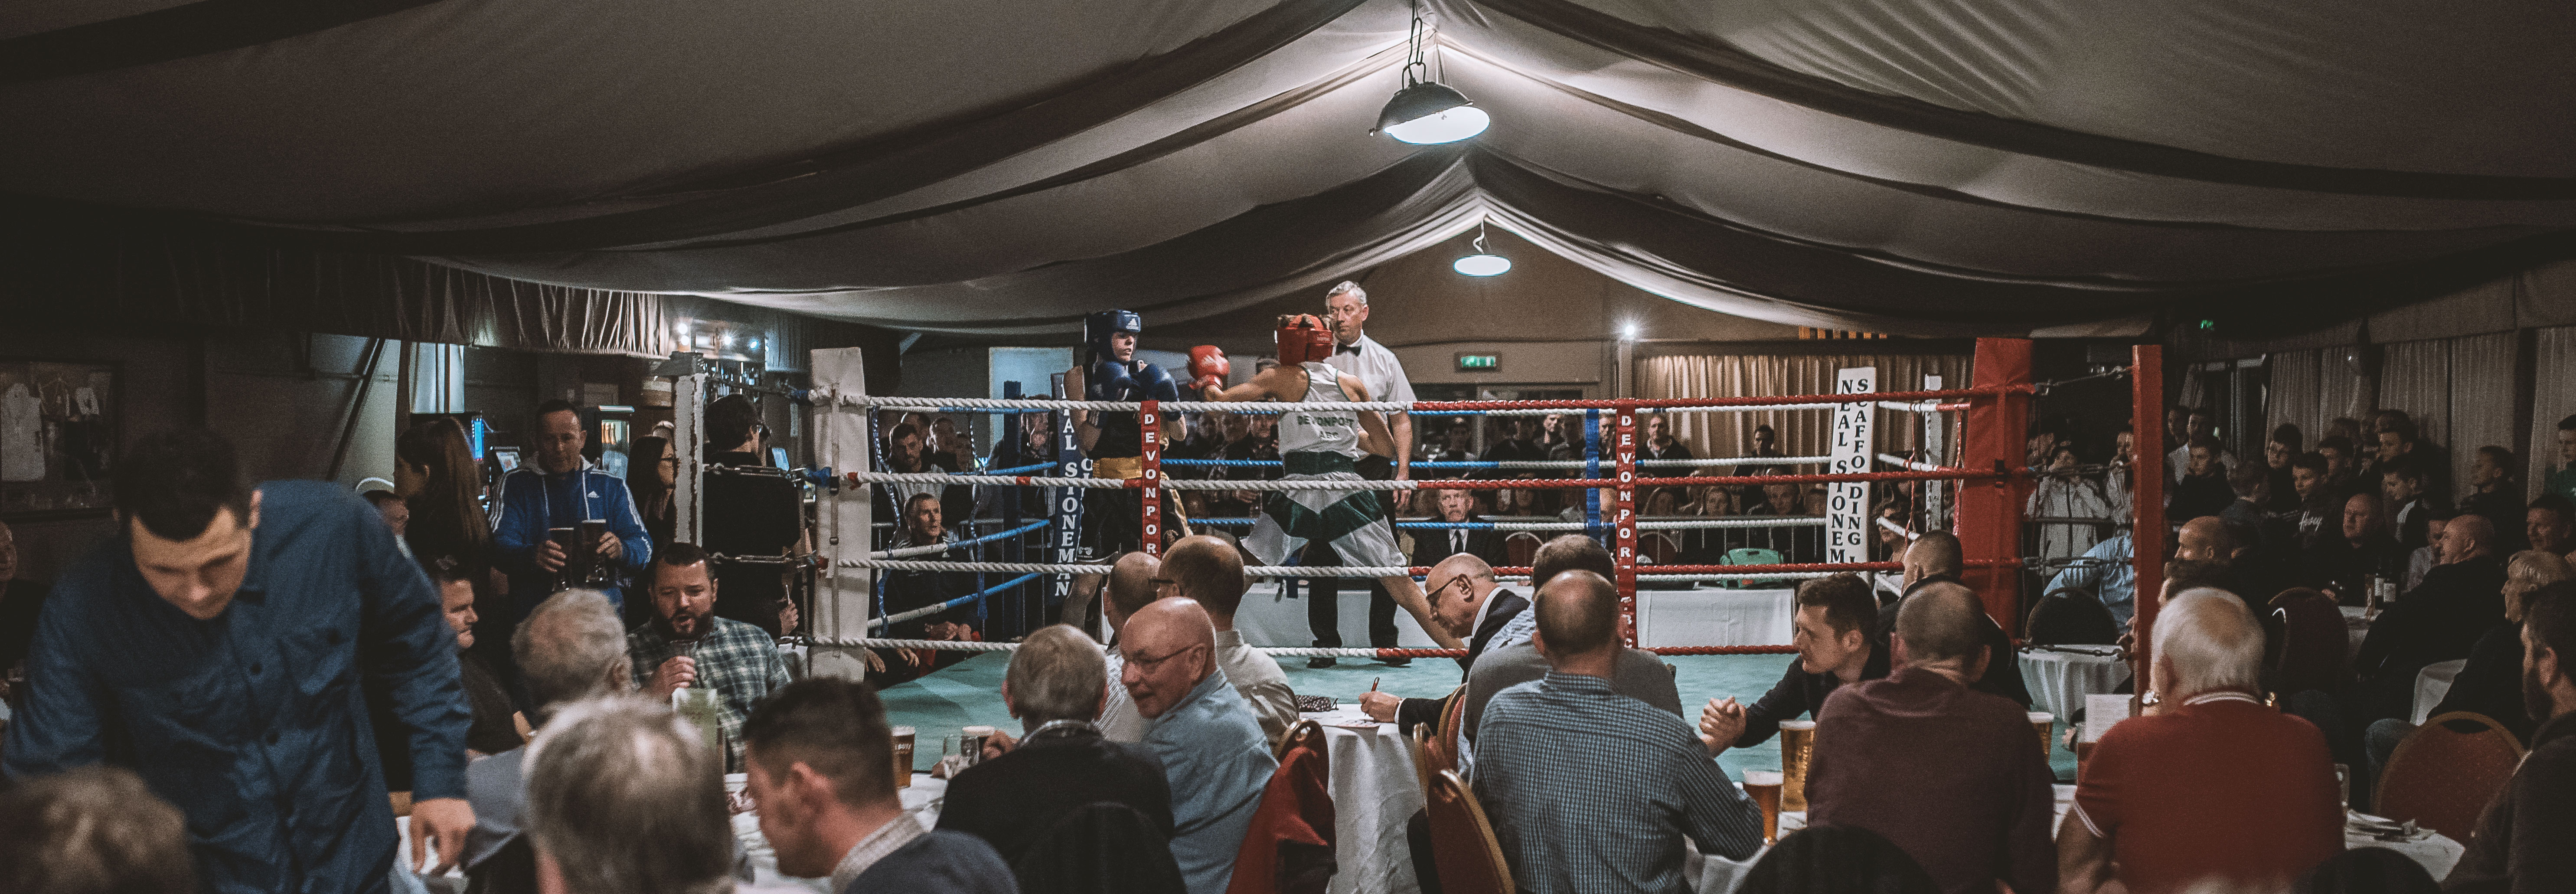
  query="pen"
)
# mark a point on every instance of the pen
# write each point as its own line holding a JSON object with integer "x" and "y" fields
{"x": 1373, "y": 683}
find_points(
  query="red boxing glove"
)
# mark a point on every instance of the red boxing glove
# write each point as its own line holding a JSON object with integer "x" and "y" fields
{"x": 1208, "y": 361}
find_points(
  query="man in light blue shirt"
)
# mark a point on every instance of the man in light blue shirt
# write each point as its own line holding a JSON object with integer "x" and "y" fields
{"x": 2106, "y": 572}
{"x": 1212, "y": 749}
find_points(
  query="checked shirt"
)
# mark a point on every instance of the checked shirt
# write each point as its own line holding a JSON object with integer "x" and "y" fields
{"x": 1592, "y": 791}
{"x": 737, "y": 660}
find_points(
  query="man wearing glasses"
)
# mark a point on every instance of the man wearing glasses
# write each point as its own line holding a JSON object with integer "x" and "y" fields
{"x": 1212, "y": 749}
{"x": 1472, "y": 605}
{"x": 747, "y": 513}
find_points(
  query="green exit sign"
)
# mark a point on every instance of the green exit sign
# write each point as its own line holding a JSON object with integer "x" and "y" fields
{"x": 1479, "y": 362}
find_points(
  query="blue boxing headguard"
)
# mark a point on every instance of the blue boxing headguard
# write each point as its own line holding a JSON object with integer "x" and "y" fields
{"x": 1097, "y": 327}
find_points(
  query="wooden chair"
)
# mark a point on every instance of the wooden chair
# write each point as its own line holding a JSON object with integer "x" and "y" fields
{"x": 1462, "y": 842}
{"x": 1439, "y": 741}
{"x": 1305, "y": 732}
{"x": 1658, "y": 548}
{"x": 1520, "y": 548}
{"x": 2445, "y": 772}
{"x": 2312, "y": 642}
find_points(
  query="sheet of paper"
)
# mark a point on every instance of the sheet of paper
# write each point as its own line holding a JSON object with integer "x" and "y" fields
{"x": 2101, "y": 712}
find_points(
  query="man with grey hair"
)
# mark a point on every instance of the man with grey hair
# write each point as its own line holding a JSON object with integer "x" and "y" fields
{"x": 1355, "y": 354}
{"x": 2215, "y": 790}
{"x": 1055, "y": 686}
{"x": 571, "y": 648}
{"x": 1952, "y": 775}
{"x": 625, "y": 798}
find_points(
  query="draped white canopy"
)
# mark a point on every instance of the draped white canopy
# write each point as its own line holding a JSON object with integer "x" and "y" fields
{"x": 1000, "y": 168}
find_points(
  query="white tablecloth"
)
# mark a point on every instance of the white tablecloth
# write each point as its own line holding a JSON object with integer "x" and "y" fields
{"x": 2355, "y": 629}
{"x": 2059, "y": 681}
{"x": 1714, "y": 617}
{"x": 1704, "y": 617}
{"x": 2431, "y": 684}
{"x": 1375, "y": 792}
{"x": 922, "y": 799}
{"x": 2436, "y": 852}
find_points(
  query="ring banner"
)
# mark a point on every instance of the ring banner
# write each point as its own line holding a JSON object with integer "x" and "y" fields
{"x": 1065, "y": 503}
{"x": 1847, "y": 503}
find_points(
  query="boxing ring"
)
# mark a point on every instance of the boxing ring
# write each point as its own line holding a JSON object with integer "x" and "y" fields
{"x": 1985, "y": 465}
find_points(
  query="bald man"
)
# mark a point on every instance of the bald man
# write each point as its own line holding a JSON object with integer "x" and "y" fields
{"x": 2439, "y": 620}
{"x": 1468, "y": 601}
{"x": 1950, "y": 774}
{"x": 1935, "y": 558}
{"x": 1590, "y": 790}
{"x": 1134, "y": 580}
{"x": 1212, "y": 749}
{"x": 2341, "y": 566}
{"x": 1209, "y": 571}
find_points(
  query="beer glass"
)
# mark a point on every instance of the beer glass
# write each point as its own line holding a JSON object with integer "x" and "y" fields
{"x": 903, "y": 737}
{"x": 971, "y": 745}
{"x": 1763, "y": 786}
{"x": 1797, "y": 743}
{"x": 2043, "y": 722}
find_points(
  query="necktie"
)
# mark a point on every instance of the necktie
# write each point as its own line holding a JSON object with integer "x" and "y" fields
{"x": 1457, "y": 542}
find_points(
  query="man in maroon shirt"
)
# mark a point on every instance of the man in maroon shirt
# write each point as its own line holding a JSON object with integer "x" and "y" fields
{"x": 2215, "y": 790}
{"x": 1952, "y": 775}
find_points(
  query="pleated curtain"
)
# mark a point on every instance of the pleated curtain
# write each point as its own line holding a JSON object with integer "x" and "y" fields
{"x": 2553, "y": 398}
{"x": 2292, "y": 396}
{"x": 1802, "y": 432}
{"x": 2415, "y": 376}
{"x": 2482, "y": 400}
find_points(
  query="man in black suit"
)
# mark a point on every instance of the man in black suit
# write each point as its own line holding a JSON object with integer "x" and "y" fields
{"x": 1935, "y": 558}
{"x": 1056, "y": 684}
{"x": 1431, "y": 546}
{"x": 2439, "y": 620}
{"x": 1466, "y": 599}
{"x": 2341, "y": 566}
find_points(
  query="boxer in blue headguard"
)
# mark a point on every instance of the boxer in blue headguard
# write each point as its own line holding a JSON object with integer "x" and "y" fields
{"x": 1113, "y": 520}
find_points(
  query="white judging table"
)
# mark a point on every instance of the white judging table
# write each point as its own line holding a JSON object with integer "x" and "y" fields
{"x": 2356, "y": 627}
{"x": 1707, "y": 616}
{"x": 2059, "y": 681}
{"x": 2431, "y": 684}
{"x": 1375, "y": 792}
{"x": 1715, "y": 617}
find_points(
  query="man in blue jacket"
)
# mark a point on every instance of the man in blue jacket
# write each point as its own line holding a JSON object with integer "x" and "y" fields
{"x": 562, "y": 491}
{"x": 216, "y": 647}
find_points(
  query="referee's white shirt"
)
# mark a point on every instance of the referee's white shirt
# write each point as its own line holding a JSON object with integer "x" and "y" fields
{"x": 1375, "y": 367}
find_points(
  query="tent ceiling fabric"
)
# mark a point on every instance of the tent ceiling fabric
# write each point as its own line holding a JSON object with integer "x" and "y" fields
{"x": 1992, "y": 166}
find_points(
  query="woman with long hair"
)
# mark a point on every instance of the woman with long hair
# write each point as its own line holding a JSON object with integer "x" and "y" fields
{"x": 436, "y": 475}
{"x": 651, "y": 475}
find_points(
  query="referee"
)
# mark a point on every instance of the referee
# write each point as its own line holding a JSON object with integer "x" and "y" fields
{"x": 1361, "y": 357}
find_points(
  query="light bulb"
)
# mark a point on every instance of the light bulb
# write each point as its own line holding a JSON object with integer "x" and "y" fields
{"x": 1482, "y": 265}
{"x": 1446, "y": 127}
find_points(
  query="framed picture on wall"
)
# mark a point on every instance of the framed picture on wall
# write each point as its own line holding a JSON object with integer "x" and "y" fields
{"x": 58, "y": 434}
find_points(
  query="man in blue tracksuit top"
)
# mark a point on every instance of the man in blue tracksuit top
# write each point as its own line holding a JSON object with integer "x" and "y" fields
{"x": 560, "y": 492}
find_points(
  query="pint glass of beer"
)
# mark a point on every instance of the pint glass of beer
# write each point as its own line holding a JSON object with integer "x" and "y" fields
{"x": 1797, "y": 742}
{"x": 1763, "y": 786}
{"x": 903, "y": 738}
{"x": 2043, "y": 722}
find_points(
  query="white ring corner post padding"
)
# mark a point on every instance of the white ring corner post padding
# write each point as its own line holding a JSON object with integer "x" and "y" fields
{"x": 1847, "y": 529}
{"x": 846, "y": 595}
{"x": 688, "y": 442}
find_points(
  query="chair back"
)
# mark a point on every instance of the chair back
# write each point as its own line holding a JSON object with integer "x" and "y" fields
{"x": 2312, "y": 641}
{"x": 2070, "y": 616}
{"x": 2444, "y": 773}
{"x": 1452, "y": 719}
{"x": 1520, "y": 548}
{"x": 1100, "y": 848}
{"x": 1305, "y": 732}
{"x": 1288, "y": 849}
{"x": 1658, "y": 548}
{"x": 1751, "y": 555}
{"x": 1462, "y": 842}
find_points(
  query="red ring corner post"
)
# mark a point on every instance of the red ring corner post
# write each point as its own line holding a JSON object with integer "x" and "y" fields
{"x": 1989, "y": 513}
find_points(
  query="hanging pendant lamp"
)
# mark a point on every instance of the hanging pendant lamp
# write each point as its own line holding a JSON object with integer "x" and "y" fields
{"x": 1425, "y": 111}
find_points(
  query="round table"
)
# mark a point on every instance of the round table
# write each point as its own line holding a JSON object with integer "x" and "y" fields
{"x": 1375, "y": 792}
{"x": 2356, "y": 627}
{"x": 2059, "y": 680}
{"x": 922, "y": 799}
{"x": 2431, "y": 684}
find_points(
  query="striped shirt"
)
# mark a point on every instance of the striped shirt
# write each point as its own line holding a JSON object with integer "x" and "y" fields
{"x": 1593, "y": 791}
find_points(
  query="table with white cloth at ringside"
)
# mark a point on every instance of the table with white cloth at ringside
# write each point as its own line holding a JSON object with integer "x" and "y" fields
{"x": 2432, "y": 684}
{"x": 1375, "y": 792}
{"x": 2059, "y": 677}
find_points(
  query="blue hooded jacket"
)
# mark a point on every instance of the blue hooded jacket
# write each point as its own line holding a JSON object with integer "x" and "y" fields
{"x": 532, "y": 501}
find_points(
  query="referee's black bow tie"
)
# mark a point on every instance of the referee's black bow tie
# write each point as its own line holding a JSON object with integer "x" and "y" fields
{"x": 1352, "y": 348}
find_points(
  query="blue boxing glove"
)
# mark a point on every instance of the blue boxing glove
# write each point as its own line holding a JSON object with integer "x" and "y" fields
{"x": 1109, "y": 380}
{"x": 1152, "y": 383}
